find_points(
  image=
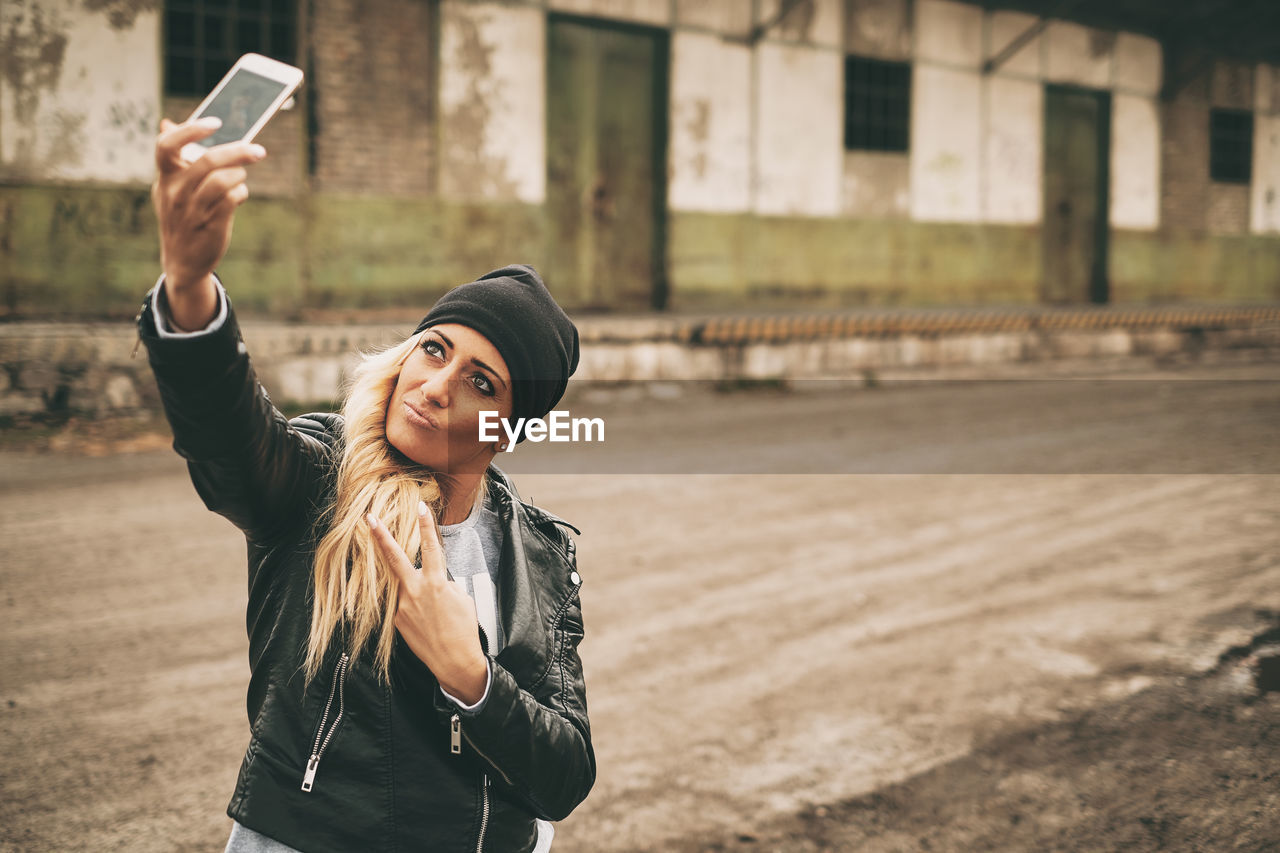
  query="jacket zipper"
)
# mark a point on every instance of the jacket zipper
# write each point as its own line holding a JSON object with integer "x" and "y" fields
{"x": 318, "y": 748}
{"x": 484, "y": 812}
{"x": 455, "y": 746}
{"x": 456, "y": 735}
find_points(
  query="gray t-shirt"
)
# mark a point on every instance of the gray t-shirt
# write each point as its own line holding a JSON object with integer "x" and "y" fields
{"x": 472, "y": 550}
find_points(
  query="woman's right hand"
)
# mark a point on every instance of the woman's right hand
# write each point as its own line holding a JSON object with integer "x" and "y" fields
{"x": 195, "y": 204}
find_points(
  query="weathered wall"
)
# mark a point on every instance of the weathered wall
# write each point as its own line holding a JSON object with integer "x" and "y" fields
{"x": 493, "y": 102}
{"x": 655, "y": 12}
{"x": 725, "y": 261}
{"x": 710, "y": 145}
{"x": 799, "y": 158}
{"x": 1156, "y": 267}
{"x": 427, "y": 164}
{"x": 1136, "y": 75}
{"x": 373, "y": 88}
{"x": 730, "y": 17}
{"x": 1190, "y": 201}
{"x": 1135, "y": 162}
{"x": 70, "y": 110}
{"x": 1013, "y": 150}
{"x": 284, "y": 172}
{"x": 77, "y": 251}
{"x": 1264, "y": 200}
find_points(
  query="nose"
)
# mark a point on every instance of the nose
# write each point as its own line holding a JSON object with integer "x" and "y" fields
{"x": 435, "y": 390}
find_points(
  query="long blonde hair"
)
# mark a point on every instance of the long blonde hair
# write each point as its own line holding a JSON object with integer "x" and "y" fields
{"x": 352, "y": 587}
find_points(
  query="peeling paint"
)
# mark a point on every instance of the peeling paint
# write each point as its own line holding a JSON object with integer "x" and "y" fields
{"x": 1101, "y": 43}
{"x": 470, "y": 170}
{"x": 33, "y": 46}
{"x": 133, "y": 118}
{"x": 121, "y": 14}
{"x": 798, "y": 22}
{"x": 699, "y": 127}
{"x": 67, "y": 132}
{"x": 78, "y": 97}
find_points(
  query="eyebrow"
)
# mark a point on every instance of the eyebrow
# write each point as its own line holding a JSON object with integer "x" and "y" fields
{"x": 477, "y": 362}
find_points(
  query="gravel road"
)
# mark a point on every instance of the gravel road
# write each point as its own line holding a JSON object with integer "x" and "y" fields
{"x": 1004, "y": 620}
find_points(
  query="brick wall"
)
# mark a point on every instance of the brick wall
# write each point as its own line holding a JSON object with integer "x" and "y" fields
{"x": 373, "y": 91}
{"x": 1227, "y": 208}
{"x": 1190, "y": 201}
{"x": 283, "y": 173}
{"x": 1184, "y": 147}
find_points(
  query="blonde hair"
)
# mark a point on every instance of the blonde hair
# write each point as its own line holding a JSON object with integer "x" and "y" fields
{"x": 352, "y": 586}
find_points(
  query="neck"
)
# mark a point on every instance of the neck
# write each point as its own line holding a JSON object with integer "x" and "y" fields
{"x": 460, "y": 492}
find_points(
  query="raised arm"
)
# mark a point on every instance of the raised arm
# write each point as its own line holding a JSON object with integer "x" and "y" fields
{"x": 247, "y": 461}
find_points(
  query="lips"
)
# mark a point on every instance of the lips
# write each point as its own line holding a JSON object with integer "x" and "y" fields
{"x": 420, "y": 418}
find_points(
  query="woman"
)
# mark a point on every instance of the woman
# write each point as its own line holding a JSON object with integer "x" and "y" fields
{"x": 414, "y": 684}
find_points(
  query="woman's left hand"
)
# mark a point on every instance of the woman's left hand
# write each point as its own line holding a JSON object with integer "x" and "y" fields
{"x": 436, "y": 617}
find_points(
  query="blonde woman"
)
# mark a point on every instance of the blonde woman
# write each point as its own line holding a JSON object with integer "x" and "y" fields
{"x": 413, "y": 624}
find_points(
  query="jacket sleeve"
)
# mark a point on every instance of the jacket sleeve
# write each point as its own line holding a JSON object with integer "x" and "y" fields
{"x": 539, "y": 741}
{"x": 247, "y": 462}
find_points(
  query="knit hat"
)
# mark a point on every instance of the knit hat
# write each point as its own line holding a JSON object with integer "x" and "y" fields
{"x": 515, "y": 311}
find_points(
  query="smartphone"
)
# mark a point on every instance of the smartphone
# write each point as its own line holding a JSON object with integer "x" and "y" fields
{"x": 245, "y": 99}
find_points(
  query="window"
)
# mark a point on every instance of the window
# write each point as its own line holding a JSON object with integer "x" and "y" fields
{"x": 204, "y": 38}
{"x": 877, "y": 101}
{"x": 1230, "y": 146}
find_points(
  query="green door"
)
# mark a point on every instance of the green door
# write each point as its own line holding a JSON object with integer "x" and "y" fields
{"x": 1077, "y": 131}
{"x": 606, "y": 144}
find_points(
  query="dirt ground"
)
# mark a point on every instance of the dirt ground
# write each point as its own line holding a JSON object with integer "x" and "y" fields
{"x": 1046, "y": 646}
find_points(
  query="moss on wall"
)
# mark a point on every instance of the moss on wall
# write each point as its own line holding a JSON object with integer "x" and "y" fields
{"x": 1163, "y": 267}
{"x": 75, "y": 252}
{"x": 727, "y": 261}
{"x": 368, "y": 252}
{"x": 84, "y": 252}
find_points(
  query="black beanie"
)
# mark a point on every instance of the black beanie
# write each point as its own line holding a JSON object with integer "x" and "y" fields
{"x": 515, "y": 311}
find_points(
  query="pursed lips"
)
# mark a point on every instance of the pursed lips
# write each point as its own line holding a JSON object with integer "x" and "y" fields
{"x": 420, "y": 418}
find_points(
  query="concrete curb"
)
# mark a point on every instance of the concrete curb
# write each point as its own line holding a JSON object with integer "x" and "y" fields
{"x": 51, "y": 369}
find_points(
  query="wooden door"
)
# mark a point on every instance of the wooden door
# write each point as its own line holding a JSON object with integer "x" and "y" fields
{"x": 606, "y": 144}
{"x": 1077, "y": 146}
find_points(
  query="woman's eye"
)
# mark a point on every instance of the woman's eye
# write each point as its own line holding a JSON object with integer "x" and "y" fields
{"x": 487, "y": 387}
{"x": 427, "y": 345}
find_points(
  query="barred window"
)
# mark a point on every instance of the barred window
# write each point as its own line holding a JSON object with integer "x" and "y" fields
{"x": 877, "y": 104}
{"x": 1231, "y": 146}
{"x": 204, "y": 38}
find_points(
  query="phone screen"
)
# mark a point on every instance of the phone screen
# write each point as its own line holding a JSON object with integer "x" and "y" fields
{"x": 240, "y": 104}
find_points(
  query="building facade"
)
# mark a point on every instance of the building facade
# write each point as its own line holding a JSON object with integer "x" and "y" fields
{"x": 654, "y": 154}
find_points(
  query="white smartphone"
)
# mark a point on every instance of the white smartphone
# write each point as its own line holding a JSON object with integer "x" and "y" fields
{"x": 245, "y": 99}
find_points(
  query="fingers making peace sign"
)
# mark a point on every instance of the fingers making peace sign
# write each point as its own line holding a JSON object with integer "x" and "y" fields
{"x": 435, "y": 616}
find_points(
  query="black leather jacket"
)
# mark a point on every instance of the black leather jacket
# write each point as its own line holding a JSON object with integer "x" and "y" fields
{"x": 398, "y": 768}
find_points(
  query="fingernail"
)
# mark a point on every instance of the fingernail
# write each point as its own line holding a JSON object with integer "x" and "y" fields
{"x": 209, "y": 121}
{"x": 373, "y": 520}
{"x": 257, "y": 151}
{"x": 422, "y": 508}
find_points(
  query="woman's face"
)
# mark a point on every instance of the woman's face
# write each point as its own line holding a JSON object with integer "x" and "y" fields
{"x": 452, "y": 375}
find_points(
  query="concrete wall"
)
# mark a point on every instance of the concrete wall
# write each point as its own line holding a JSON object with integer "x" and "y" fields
{"x": 70, "y": 108}
{"x": 492, "y": 101}
{"x": 798, "y": 152}
{"x": 1264, "y": 201}
{"x": 711, "y": 124}
{"x": 414, "y": 166}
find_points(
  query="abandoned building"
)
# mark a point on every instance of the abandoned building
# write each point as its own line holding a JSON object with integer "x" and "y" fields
{"x": 663, "y": 154}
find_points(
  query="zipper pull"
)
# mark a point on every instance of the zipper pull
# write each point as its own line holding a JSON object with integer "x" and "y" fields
{"x": 136, "y": 344}
{"x": 455, "y": 734}
{"x": 310, "y": 776}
